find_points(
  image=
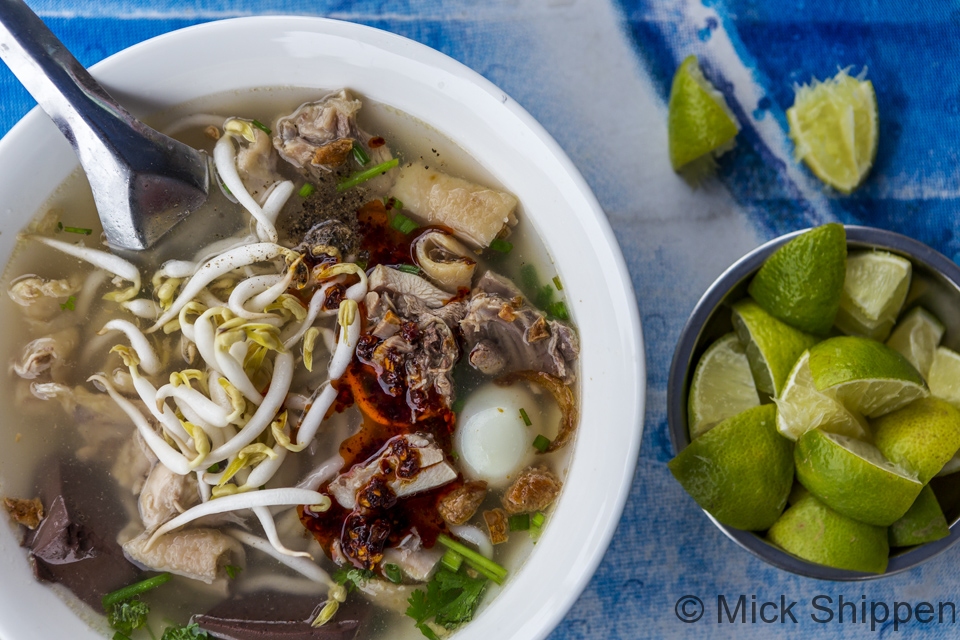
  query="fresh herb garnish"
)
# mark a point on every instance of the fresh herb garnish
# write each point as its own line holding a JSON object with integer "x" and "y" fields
{"x": 352, "y": 578}
{"x": 541, "y": 443}
{"x": 69, "y": 305}
{"x": 501, "y": 246}
{"x": 558, "y": 310}
{"x": 519, "y": 522}
{"x": 261, "y": 126}
{"x": 525, "y": 417}
{"x": 189, "y": 632}
{"x": 119, "y": 636}
{"x": 393, "y": 574}
{"x": 362, "y": 176}
{"x": 306, "y": 190}
{"x": 482, "y": 564}
{"x": 233, "y": 571}
{"x": 450, "y": 600}
{"x": 359, "y": 154}
{"x": 557, "y": 283}
{"x": 393, "y": 203}
{"x": 81, "y": 230}
{"x": 129, "y": 592}
{"x": 127, "y": 616}
{"x": 458, "y": 405}
{"x": 409, "y": 268}
{"x": 452, "y": 560}
{"x": 403, "y": 224}
{"x": 536, "y": 525}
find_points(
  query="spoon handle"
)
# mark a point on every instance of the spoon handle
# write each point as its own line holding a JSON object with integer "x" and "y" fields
{"x": 142, "y": 181}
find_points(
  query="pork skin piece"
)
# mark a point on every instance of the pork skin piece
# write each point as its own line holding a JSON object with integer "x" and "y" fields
{"x": 165, "y": 495}
{"x": 198, "y": 554}
{"x": 475, "y": 213}
{"x": 75, "y": 543}
{"x": 505, "y": 334}
{"x": 268, "y": 615}
{"x": 459, "y": 505}
{"x": 535, "y": 489}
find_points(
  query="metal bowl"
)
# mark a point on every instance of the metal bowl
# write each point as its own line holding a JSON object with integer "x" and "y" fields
{"x": 935, "y": 286}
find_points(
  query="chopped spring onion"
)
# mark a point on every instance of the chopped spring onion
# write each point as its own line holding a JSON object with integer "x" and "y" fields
{"x": 214, "y": 468}
{"x": 458, "y": 405}
{"x": 362, "y": 176}
{"x": 306, "y": 190}
{"x": 525, "y": 417}
{"x": 132, "y": 590}
{"x": 392, "y": 571}
{"x": 261, "y": 126}
{"x": 541, "y": 443}
{"x": 81, "y": 230}
{"x": 538, "y": 519}
{"x": 358, "y": 153}
{"x": 403, "y": 224}
{"x": 233, "y": 570}
{"x": 393, "y": 203}
{"x": 501, "y": 246}
{"x": 409, "y": 268}
{"x": 558, "y": 310}
{"x": 557, "y": 283}
{"x": 69, "y": 305}
{"x": 483, "y": 565}
{"x": 519, "y": 522}
{"x": 452, "y": 560}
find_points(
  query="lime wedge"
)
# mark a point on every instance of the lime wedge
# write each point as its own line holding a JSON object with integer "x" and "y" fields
{"x": 853, "y": 478}
{"x": 772, "y": 346}
{"x": 868, "y": 377}
{"x": 834, "y": 128}
{"x": 814, "y": 532}
{"x": 722, "y": 386}
{"x": 875, "y": 287}
{"x": 944, "y": 376}
{"x": 740, "y": 471}
{"x": 700, "y": 124}
{"x": 916, "y": 338}
{"x": 923, "y": 523}
{"x": 921, "y": 437}
{"x": 801, "y": 282}
{"x": 801, "y": 408}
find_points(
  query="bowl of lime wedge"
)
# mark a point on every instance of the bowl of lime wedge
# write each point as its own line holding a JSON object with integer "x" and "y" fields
{"x": 814, "y": 399}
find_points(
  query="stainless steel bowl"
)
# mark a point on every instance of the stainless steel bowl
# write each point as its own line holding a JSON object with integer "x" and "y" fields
{"x": 935, "y": 286}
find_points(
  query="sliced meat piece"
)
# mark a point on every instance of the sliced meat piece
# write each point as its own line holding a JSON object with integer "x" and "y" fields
{"x": 459, "y": 505}
{"x": 257, "y": 163}
{"x": 165, "y": 495}
{"x": 318, "y": 136}
{"x": 407, "y": 284}
{"x": 504, "y": 334}
{"x": 39, "y": 298}
{"x": 475, "y": 213}
{"x": 198, "y": 554}
{"x": 498, "y": 525}
{"x": 270, "y": 615}
{"x": 41, "y": 355}
{"x": 75, "y": 543}
{"x": 535, "y": 489}
{"x": 417, "y": 564}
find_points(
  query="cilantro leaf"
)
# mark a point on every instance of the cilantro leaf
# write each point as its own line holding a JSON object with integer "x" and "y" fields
{"x": 352, "y": 578}
{"x": 189, "y": 632}
{"x": 450, "y": 599}
{"x": 127, "y": 616}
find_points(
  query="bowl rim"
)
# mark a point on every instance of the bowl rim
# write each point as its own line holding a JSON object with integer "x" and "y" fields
{"x": 546, "y": 608}
{"x": 681, "y": 366}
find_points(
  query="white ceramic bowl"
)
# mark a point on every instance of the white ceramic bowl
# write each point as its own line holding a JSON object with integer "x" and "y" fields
{"x": 286, "y": 51}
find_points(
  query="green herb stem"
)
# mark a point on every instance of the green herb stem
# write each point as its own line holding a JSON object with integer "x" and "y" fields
{"x": 557, "y": 283}
{"x": 409, "y": 268}
{"x": 452, "y": 560}
{"x": 261, "y": 126}
{"x": 362, "y": 176}
{"x": 501, "y": 246}
{"x": 392, "y": 571}
{"x": 135, "y": 589}
{"x": 519, "y": 522}
{"x": 525, "y": 417}
{"x": 306, "y": 190}
{"x": 403, "y": 224}
{"x": 359, "y": 154}
{"x": 484, "y": 565}
{"x": 541, "y": 443}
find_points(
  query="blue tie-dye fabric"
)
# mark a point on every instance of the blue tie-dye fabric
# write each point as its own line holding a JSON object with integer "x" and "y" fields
{"x": 596, "y": 74}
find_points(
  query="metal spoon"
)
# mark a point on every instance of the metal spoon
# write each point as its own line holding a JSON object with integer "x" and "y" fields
{"x": 143, "y": 182}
